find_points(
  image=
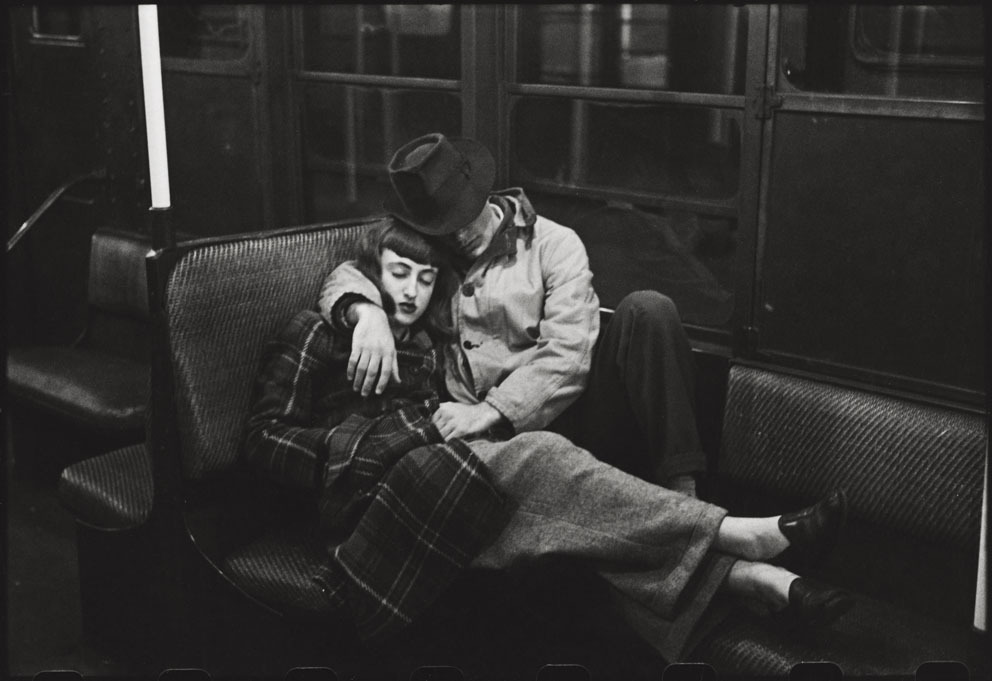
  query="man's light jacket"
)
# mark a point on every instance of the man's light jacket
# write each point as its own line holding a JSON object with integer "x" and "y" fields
{"x": 526, "y": 314}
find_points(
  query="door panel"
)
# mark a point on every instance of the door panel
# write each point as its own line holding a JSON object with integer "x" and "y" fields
{"x": 872, "y": 228}
{"x": 873, "y": 248}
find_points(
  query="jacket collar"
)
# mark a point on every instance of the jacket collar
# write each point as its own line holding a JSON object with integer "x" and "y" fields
{"x": 518, "y": 219}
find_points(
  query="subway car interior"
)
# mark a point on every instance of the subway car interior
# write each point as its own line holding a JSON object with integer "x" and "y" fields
{"x": 805, "y": 181}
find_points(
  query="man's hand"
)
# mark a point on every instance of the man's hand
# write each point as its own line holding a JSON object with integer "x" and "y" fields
{"x": 456, "y": 420}
{"x": 373, "y": 350}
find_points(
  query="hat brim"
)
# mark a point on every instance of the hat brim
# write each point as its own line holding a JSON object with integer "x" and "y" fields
{"x": 469, "y": 205}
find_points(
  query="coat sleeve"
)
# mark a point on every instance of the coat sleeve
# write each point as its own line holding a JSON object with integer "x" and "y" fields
{"x": 345, "y": 285}
{"x": 281, "y": 440}
{"x": 557, "y": 369}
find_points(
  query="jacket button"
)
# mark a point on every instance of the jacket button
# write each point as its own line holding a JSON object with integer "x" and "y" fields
{"x": 468, "y": 290}
{"x": 468, "y": 345}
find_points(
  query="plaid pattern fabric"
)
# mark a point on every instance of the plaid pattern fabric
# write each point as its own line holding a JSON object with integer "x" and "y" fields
{"x": 302, "y": 392}
{"x": 421, "y": 509}
{"x": 413, "y": 510}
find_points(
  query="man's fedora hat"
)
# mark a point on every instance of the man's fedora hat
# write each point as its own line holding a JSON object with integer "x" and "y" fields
{"x": 440, "y": 184}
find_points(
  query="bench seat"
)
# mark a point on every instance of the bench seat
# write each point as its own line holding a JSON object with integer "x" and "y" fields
{"x": 112, "y": 491}
{"x": 913, "y": 473}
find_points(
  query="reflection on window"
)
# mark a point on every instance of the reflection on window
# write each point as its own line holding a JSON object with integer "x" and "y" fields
{"x": 691, "y": 152}
{"x": 687, "y": 256}
{"x": 924, "y": 31}
{"x": 653, "y": 46}
{"x": 398, "y": 40}
{"x": 209, "y": 32}
{"x": 52, "y": 21}
{"x": 927, "y": 51}
{"x": 351, "y": 132}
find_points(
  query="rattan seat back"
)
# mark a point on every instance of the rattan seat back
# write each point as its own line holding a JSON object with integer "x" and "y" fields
{"x": 906, "y": 466}
{"x": 224, "y": 301}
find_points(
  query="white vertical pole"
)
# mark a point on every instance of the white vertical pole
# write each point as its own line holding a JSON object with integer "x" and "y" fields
{"x": 982, "y": 590}
{"x": 151, "y": 75}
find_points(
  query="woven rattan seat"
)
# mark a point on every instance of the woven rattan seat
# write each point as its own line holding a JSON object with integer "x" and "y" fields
{"x": 224, "y": 302}
{"x": 112, "y": 491}
{"x": 277, "y": 569}
{"x": 913, "y": 473}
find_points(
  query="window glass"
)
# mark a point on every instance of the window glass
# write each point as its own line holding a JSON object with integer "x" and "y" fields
{"x": 398, "y": 40}
{"x": 928, "y": 51}
{"x": 349, "y": 135}
{"x": 645, "y": 46}
{"x": 210, "y": 32}
{"x": 57, "y": 21}
{"x": 684, "y": 151}
{"x": 687, "y": 256}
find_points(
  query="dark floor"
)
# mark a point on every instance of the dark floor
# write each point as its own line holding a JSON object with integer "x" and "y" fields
{"x": 45, "y": 628}
{"x": 43, "y": 615}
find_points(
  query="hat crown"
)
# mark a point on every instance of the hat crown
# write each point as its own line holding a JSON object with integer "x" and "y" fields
{"x": 436, "y": 180}
{"x": 434, "y": 161}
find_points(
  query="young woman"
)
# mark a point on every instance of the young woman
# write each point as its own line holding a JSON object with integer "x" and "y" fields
{"x": 370, "y": 458}
{"x": 400, "y": 510}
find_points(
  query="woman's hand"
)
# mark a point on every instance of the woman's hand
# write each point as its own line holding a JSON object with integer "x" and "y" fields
{"x": 456, "y": 420}
{"x": 373, "y": 350}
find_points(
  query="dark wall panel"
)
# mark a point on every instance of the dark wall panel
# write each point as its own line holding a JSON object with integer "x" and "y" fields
{"x": 875, "y": 242}
{"x": 213, "y": 166}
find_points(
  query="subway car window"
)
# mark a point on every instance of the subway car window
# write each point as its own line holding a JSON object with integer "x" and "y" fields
{"x": 395, "y": 40}
{"x": 638, "y": 46}
{"x": 53, "y": 21}
{"x": 637, "y": 154}
{"x": 689, "y": 256}
{"x": 208, "y": 32}
{"x": 660, "y": 150}
{"x": 919, "y": 51}
{"x": 349, "y": 134}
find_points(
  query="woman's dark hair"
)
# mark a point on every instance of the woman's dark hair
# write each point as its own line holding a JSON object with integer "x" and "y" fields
{"x": 408, "y": 243}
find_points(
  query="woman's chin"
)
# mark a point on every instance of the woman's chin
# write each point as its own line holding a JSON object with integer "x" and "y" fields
{"x": 403, "y": 320}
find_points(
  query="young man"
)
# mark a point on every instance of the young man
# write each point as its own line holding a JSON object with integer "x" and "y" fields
{"x": 527, "y": 343}
{"x": 529, "y": 354}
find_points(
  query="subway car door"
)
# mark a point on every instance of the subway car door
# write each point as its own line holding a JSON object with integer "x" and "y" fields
{"x": 871, "y": 221}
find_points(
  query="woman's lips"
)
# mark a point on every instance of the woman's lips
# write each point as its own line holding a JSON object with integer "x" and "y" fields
{"x": 408, "y": 308}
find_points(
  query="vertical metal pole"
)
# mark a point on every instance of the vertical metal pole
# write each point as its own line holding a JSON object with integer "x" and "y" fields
{"x": 982, "y": 587}
{"x": 350, "y": 128}
{"x": 163, "y": 234}
{"x": 579, "y": 107}
{"x": 895, "y": 45}
{"x": 389, "y": 97}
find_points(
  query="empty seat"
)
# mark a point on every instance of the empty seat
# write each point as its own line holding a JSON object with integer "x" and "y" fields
{"x": 99, "y": 385}
{"x": 913, "y": 474}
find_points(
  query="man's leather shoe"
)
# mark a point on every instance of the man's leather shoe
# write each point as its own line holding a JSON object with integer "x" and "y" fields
{"x": 814, "y": 530}
{"x": 815, "y": 605}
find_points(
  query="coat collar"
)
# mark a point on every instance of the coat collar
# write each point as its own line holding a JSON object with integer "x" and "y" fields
{"x": 518, "y": 220}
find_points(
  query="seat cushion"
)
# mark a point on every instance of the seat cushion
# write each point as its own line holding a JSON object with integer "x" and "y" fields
{"x": 873, "y": 639}
{"x": 113, "y": 491}
{"x": 909, "y": 467}
{"x": 88, "y": 387}
{"x": 278, "y": 570}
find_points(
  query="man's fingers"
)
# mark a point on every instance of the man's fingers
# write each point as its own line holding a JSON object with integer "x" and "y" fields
{"x": 361, "y": 367}
{"x": 386, "y": 370}
{"x": 371, "y": 375}
{"x": 352, "y": 365}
